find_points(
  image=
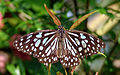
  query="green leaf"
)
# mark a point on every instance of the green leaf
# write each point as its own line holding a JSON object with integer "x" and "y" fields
{"x": 58, "y": 5}
{"x": 2, "y": 7}
{"x": 38, "y": 5}
{"x": 4, "y": 39}
{"x": 3, "y": 34}
{"x": 35, "y": 68}
{"x": 22, "y": 68}
{"x": 102, "y": 11}
{"x": 13, "y": 70}
{"x": 119, "y": 38}
{"x": 57, "y": 67}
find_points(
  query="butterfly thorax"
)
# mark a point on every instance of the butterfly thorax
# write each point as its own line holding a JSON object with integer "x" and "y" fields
{"x": 61, "y": 36}
{"x": 60, "y": 31}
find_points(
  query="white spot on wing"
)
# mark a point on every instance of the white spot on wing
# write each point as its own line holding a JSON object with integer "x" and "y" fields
{"x": 72, "y": 52}
{"x": 86, "y": 41}
{"x": 46, "y": 34}
{"x": 98, "y": 45}
{"x": 68, "y": 44}
{"x": 39, "y": 35}
{"x": 73, "y": 34}
{"x": 37, "y": 43}
{"x": 35, "y": 39}
{"x": 49, "y": 40}
{"x": 49, "y": 52}
{"x": 20, "y": 43}
{"x": 71, "y": 60}
{"x": 77, "y": 41}
{"x": 93, "y": 48}
{"x": 91, "y": 38}
{"x": 82, "y": 36}
{"x": 45, "y": 39}
{"x": 80, "y": 48}
{"x": 87, "y": 49}
{"x": 29, "y": 36}
{"x": 81, "y": 54}
{"x": 27, "y": 41}
{"x": 53, "y": 47}
{"x": 47, "y": 49}
{"x": 41, "y": 47}
{"x": 83, "y": 44}
{"x": 98, "y": 40}
{"x": 26, "y": 47}
{"x": 32, "y": 47}
{"x": 20, "y": 40}
{"x": 16, "y": 45}
{"x": 74, "y": 49}
{"x": 92, "y": 42}
{"x": 73, "y": 40}
{"x": 35, "y": 49}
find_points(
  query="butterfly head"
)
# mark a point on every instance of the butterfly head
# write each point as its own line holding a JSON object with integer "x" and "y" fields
{"x": 60, "y": 27}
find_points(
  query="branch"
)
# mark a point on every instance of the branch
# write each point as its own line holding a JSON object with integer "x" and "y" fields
{"x": 87, "y": 7}
{"x": 75, "y": 7}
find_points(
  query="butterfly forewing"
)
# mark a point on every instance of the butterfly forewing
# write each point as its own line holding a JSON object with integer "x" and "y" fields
{"x": 41, "y": 44}
{"x": 85, "y": 44}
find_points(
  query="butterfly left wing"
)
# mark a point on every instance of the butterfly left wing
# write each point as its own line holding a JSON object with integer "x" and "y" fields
{"x": 41, "y": 44}
{"x": 85, "y": 44}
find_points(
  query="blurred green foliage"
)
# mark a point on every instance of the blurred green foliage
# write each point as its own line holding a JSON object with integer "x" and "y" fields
{"x": 25, "y": 16}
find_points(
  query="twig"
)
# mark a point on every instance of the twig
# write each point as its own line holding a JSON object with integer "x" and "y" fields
{"x": 75, "y": 7}
{"x": 49, "y": 67}
{"x": 72, "y": 71}
{"x": 86, "y": 21}
{"x": 65, "y": 70}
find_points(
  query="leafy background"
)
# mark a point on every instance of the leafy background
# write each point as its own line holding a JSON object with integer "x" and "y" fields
{"x": 19, "y": 17}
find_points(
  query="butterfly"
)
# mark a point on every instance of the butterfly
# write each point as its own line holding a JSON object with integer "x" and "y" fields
{"x": 66, "y": 46}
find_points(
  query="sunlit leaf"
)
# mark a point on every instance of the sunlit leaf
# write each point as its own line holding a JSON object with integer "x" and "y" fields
{"x": 58, "y": 5}
{"x": 13, "y": 70}
{"x": 102, "y": 54}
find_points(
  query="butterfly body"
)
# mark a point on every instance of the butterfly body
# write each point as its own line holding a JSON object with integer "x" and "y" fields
{"x": 61, "y": 37}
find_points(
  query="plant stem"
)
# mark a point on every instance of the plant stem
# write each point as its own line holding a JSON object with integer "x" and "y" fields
{"x": 49, "y": 67}
{"x": 65, "y": 71}
{"x": 86, "y": 21}
{"x": 75, "y": 7}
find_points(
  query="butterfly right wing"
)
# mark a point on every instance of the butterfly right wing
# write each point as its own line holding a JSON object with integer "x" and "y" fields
{"x": 41, "y": 44}
{"x": 79, "y": 44}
